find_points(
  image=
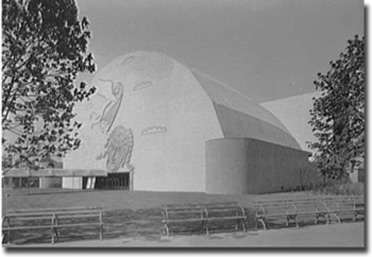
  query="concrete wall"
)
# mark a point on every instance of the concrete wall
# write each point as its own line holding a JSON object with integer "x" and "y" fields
{"x": 251, "y": 166}
{"x": 168, "y": 113}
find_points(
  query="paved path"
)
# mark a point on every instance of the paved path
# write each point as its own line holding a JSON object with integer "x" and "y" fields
{"x": 334, "y": 235}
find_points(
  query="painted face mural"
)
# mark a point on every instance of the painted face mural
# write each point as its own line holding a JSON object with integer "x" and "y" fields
{"x": 118, "y": 149}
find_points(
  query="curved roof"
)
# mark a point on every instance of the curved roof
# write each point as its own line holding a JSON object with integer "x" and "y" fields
{"x": 225, "y": 95}
{"x": 238, "y": 115}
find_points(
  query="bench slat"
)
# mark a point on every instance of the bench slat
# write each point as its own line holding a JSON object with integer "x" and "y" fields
{"x": 319, "y": 206}
{"x": 202, "y": 213}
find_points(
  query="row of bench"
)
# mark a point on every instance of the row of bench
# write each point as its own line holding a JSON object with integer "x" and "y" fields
{"x": 315, "y": 208}
{"x": 204, "y": 216}
{"x": 53, "y": 220}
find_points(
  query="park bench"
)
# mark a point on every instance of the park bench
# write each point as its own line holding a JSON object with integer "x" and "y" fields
{"x": 291, "y": 209}
{"x": 51, "y": 219}
{"x": 203, "y": 214}
{"x": 345, "y": 204}
{"x": 319, "y": 207}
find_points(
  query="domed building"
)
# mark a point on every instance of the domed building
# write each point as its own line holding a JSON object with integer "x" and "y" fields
{"x": 156, "y": 125}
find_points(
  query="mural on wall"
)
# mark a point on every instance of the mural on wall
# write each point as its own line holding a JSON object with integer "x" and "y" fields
{"x": 107, "y": 118}
{"x": 143, "y": 85}
{"x": 118, "y": 149}
{"x": 128, "y": 60}
{"x": 153, "y": 130}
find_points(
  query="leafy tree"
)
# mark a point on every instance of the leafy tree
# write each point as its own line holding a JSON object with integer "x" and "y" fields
{"x": 44, "y": 49}
{"x": 303, "y": 174}
{"x": 338, "y": 115}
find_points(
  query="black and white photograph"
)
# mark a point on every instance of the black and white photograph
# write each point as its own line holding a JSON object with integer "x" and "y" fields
{"x": 183, "y": 124}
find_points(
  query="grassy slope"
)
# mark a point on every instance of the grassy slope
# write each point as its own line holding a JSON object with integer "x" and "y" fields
{"x": 119, "y": 199}
{"x": 127, "y": 213}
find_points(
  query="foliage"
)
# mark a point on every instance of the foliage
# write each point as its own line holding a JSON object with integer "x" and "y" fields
{"x": 304, "y": 175}
{"x": 339, "y": 187}
{"x": 338, "y": 115}
{"x": 44, "y": 49}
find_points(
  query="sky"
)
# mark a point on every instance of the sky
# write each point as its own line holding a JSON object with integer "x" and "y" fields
{"x": 266, "y": 49}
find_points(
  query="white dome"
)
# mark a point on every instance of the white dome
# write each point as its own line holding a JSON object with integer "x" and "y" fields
{"x": 164, "y": 114}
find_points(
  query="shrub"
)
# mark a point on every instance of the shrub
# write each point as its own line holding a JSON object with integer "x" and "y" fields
{"x": 338, "y": 187}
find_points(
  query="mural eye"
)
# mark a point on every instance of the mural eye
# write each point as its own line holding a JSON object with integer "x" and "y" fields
{"x": 142, "y": 85}
{"x": 128, "y": 60}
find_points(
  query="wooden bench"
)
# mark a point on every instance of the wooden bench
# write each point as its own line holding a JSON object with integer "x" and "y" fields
{"x": 205, "y": 214}
{"x": 51, "y": 219}
{"x": 318, "y": 207}
{"x": 274, "y": 209}
{"x": 345, "y": 204}
{"x": 291, "y": 209}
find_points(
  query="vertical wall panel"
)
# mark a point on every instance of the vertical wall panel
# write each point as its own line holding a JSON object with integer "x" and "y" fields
{"x": 251, "y": 166}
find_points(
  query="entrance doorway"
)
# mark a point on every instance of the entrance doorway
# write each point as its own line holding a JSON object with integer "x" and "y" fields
{"x": 113, "y": 181}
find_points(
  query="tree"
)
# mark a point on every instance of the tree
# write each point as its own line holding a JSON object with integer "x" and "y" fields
{"x": 303, "y": 174}
{"x": 44, "y": 49}
{"x": 338, "y": 115}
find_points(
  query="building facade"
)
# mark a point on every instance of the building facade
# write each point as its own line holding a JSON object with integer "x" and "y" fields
{"x": 171, "y": 128}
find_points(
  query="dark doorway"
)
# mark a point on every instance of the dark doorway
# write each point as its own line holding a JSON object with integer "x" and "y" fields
{"x": 113, "y": 181}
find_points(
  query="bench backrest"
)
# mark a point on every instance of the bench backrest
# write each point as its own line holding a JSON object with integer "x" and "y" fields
{"x": 200, "y": 210}
{"x": 52, "y": 210}
{"x": 325, "y": 203}
{"x": 51, "y": 214}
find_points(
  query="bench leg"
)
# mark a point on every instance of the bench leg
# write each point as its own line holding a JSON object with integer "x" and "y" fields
{"x": 337, "y": 217}
{"x": 255, "y": 225}
{"x": 205, "y": 225}
{"x": 100, "y": 232}
{"x": 6, "y": 237}
{"x": 339, "y": 220}
{"x": 54, "y": 235}
{"x": 243, "y": 224}
{"x": 295, "y": 220}
{"x": 6, "y": 234}
{"x": 262, "y": 221}
{"x": 292, "y": 217}
{"x": 166, "y": 229}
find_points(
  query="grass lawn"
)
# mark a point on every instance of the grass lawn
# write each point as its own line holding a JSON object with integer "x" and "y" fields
{"x": 126, "y": 213}
{"x": 121, "y": 199}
